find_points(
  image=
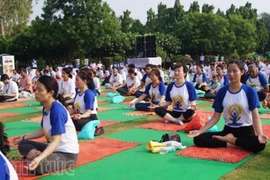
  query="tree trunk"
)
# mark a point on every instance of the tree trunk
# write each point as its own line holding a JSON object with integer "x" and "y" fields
{"x": 2, "y": 30}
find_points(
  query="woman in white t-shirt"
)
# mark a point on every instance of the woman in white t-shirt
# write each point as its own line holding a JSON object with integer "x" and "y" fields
{"x": 83, "y": 109}
{"x": 239, "y": 104}
{"x": 62, "y": 148}
{"x": 156, "y": 90}
{"x": 67, "y": 85}
{"x": 131, "y": 83}
{"x": 9, "y": 89}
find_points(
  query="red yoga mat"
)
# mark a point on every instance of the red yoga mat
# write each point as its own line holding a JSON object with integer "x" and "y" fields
{"x": 6, "y": 115}
{"x": 139, "y": 113}
{"x": 231, "y": 155}
{"x": 99, "y": 148}
{"x": 265, "y": 116}
{"x": 11, "y": 106}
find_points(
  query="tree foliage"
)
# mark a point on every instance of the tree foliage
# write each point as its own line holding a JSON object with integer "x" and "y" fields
{"x": 70, "y": 29}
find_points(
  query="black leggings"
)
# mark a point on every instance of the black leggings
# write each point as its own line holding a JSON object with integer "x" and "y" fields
{"x": 81, "y": 122}
{"x": 54, "y": 162}
{"x": 202, "y": 88}
{"x": 261, "y": 95}
{"x": 160, "y": 111}
{"x": 246, "y": 139}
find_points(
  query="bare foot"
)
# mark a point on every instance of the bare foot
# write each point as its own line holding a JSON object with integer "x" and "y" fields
{"x": 228, "y": 138}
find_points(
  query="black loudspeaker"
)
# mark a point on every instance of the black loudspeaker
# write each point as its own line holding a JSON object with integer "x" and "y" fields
{"x": 146, "y": 46}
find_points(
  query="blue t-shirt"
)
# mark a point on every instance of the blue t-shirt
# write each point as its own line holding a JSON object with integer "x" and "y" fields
{"x": 236, "y": 107}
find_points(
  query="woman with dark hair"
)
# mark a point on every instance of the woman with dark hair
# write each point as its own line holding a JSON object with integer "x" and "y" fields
{"x": 132, "y": 82}
{"x": 35, "y": 79}
{"x": 62, "y": 148}
{"x": 156, "y": 90}
{"x": 83, "y": 110}
{"x": 67, "y": 86}
{"x": 239, "y": 104}
{"x": 223, "y": 78}
{"x": 9, "y": 89}
{"x": 200, "y": 79}
{"x": 182, "y": 95}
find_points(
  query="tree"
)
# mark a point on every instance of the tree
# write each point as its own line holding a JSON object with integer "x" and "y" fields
{"x": 14, "y": 16}
{"x": 3, "y": 45}
{"x": 245, "y": 33}
{"x": 72, "y": 29}
{"x": 194, "y": 7}
{"x": 266, "y": 19}
{"x": 206, "y": 8}
{"x": 151, "y": 22}
{"x": 207, "y": 33}
{"x": 220, "y": 13}
{"x": 231, "y": 10}
{"x": 126, "y": 21}
{"x": 178, "y": 11}
{"x": 262, "y": 35}
{"x": 138, "y": 27}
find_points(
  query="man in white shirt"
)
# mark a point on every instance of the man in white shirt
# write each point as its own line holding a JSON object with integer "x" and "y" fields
{"x": 9, "y": 89}
{"x": 15, "y": 76}
{"x": 99, "y": 65}
{"x": 115, "y": 80}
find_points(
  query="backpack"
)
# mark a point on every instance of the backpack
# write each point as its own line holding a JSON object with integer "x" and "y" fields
{"x": 170, "y": 137}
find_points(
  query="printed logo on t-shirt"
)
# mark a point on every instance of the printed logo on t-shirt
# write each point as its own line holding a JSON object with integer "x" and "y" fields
{"x": 235, "y": 112}
{"x": 77, "y": 107}
{"x": 198, "y": 80}
{"x": 152, "y": 96}
{"x": 64, "y": 91}
{"x": 178, "y": 101}
{"x": 253, "y": 85}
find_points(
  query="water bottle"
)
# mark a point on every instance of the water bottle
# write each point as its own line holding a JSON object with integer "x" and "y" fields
{"x": 168, "y": 149}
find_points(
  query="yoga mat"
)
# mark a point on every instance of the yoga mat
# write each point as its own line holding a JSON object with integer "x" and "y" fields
{"x": 24, "y": 110}
{"x": 19, "y": 128}
{"x": 138, "y": 163}
{"x": 10, "y": 106}
{"x": 105, "y": 123}
{"x": 113, "y": 106}
{"x": 265, "y": 116}
{"x": 102, "y": 109}
{"x": 6, "y": 115}
{"x": 117, "y": 115}
{"x": 139, "y": 113}
{"x": 99, "y": 148}
{"x": 161, "y": 125}
{"x": 230, "y": 155}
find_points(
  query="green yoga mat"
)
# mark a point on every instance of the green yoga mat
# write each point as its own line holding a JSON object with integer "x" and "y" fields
{"x": 138, "y": 163}
{"x": 19, "y": 128}
{"x": 112, "y": 105}
{"x": 117, "y": 115}
{"x": 24, "y": 110}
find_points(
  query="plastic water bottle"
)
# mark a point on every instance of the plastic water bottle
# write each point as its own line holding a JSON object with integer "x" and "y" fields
{"x": 168, "y": 149}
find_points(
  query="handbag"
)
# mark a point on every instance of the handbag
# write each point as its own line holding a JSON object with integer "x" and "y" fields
{"x": 170, "y": 137}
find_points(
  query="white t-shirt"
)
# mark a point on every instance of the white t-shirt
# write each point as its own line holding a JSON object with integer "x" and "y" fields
{"x": 139, "y": 74}
{"x": 124, "y": 75}
{"x": 99, "y": 65}
{"x": 97, "y": 83}
{"x": 130, "y": 82}
{"x": 181, "y": 96}
{"x": 58, "y": 121}
{"x": 67, "y": 87}
{"x": 116, "y": 79}
{"x": 84, "y": 102}
{"x": 15, "y": 77}
{"x": 236, "y": 107}
{"x": 11, "y": 88}
{"x": 162, "y": 75}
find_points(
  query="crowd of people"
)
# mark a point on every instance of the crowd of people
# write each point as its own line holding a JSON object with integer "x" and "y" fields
{"x": 69, "y": 100}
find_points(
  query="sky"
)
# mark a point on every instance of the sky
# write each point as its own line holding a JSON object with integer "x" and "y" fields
{"x": 139, "y": 8}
